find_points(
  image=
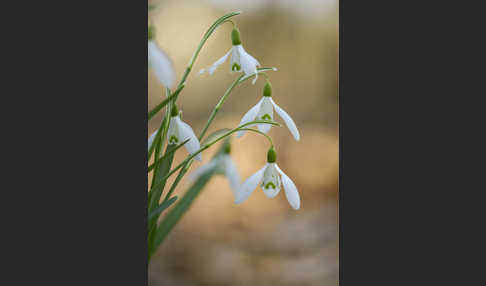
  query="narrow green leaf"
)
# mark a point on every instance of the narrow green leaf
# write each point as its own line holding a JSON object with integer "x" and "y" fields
{"x": 176, "y": 213}
{"x": 161, "y": 105}
{"x": 158, "y": 210}
{"x": 157, "y": 162}
{"x": 161, "y": 172}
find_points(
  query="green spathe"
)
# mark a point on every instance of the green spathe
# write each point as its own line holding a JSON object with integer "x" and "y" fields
{"x": 267, "y": 89}
{"x": 271, "y": 156}
{"x": 235, "y": 37}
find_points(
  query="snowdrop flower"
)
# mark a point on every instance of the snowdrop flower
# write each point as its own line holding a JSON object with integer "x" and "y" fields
{"x": 271, "y": 179}
{"x": 160, "y": 62}
{"x": 180, "y": 131}
{"x": 240, "y": 59}
{"x": 224, "y": 165}
{"x": 263, "y": 110}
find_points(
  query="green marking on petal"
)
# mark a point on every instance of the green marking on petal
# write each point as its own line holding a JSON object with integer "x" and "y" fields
{"x": 266, "y": 117}
{"x": 235, "y": 67}
{"x": 270, "y": 184}
{"x": 173, "y": 140}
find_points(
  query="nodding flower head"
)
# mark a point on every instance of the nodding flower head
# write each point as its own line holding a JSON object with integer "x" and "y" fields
{"x": 240, "y": 61}
{"x": 180, "y": 131}
{"x": 224, "y": 165}
{"x": 270, "y": 178}
{"x": 160, "y": 62}
{"x": 263, "y": 110}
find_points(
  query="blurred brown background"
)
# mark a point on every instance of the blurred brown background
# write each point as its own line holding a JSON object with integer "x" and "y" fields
{"x": 262, "y": 241}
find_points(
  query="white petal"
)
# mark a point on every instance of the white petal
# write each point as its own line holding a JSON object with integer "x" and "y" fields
{"x": 214, "y": 66}
{"x": 249, "y": 116}
{"x": 249, "y": 186}
{"x": 151, "y": 139}
{"x": 288, "y": 120}
{"x": 232, "y": 174}
{"x": 186, "y": 132}
{"x": 201, "y": 170}
{"x": 248, "y": 63}
{"x": 290, "y": 190}
{"x": 161, "y": 64}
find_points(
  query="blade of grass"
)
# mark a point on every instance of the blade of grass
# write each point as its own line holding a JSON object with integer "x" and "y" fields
{"x": 158, "y": 210}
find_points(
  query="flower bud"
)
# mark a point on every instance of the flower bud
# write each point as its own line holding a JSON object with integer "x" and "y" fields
{"x": 271, "y": 156}
{"x": 267, "y": 89}
{"x": 174, "y": 111}
{"x": 151, "y": 32}
{"x": 235, "y": 36}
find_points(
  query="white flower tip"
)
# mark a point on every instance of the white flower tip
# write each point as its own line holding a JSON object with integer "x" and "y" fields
{"x": 296, "y": 205}
{"x": 274, "y": 69}
{"x": 198, "y": 157}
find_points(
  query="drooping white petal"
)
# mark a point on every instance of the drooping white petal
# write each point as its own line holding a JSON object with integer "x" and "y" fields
{"x": 290, "y": 190}
{"x": 249, "y": 116}
{"x": 231, "y": 173}
{"x": 201, "y": 170}
{"x": 248, "y": 63}
{"x": 271, "y": 181}
{"x": 214, "y": 66}
{"x": 288, "y": 120}
{"x": 265, "y": 113}
{"x": 186, "y": 132}
{"x": 249, "y": 186}
{"x": 161, "y": 64}
{"x": 151, "y": 139}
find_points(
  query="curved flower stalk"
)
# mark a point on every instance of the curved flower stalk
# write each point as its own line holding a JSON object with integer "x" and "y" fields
{"x": 180, "y": 131}
{"x": 160, "y": 62}
{"x": 271, "y": 178}
{"x": 224, "y": 165}
{"x": 240, "y": 60}
{"x": 263, "y": 110}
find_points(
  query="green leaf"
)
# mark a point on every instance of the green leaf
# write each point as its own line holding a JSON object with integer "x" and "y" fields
{"x": 160, "y": 180}
{"x": 161, "y": 105}
{"x": 157, "y": 162}
{"x": 176, "y": 213}
{"x": 158, "y": 210}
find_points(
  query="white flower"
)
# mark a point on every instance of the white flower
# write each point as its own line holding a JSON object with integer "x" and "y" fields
{"x": 240, "y": 59}
{"x": 161, "y": 64}
{"x": 180, "y": 131}
{"x": 263, "y": 110}
{"x": 271, "y": 179}
{"x": 225, "y": 166}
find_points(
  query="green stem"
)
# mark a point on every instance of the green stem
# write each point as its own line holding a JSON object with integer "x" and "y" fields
{"x": 161, "y": 105}
{"x": 216, "y": 140}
